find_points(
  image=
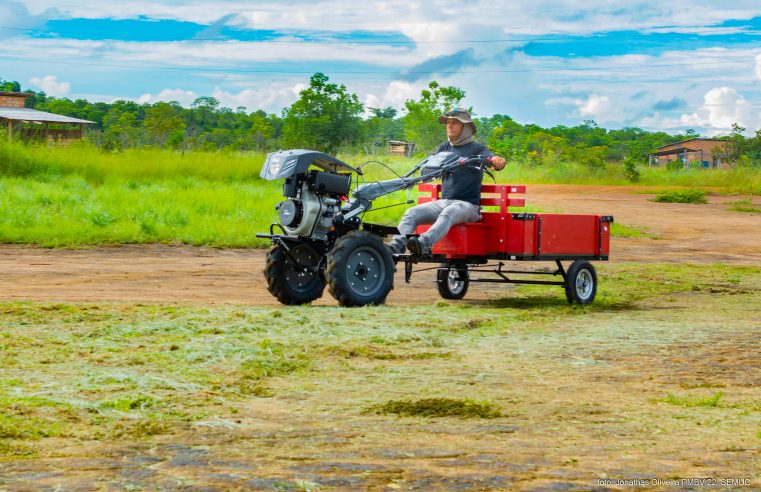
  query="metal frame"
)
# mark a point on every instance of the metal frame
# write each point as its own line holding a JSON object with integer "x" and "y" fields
{"x": 499, "y": 271}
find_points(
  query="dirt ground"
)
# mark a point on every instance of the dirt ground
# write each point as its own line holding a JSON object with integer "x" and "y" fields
{"x": 613, "y": 393}
{"x": 162, "y": 273}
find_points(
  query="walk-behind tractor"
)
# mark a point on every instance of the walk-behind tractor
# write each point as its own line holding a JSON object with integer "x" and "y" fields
{"x": 324, "y": 240}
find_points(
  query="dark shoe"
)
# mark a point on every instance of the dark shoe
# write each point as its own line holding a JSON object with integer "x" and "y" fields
{"x": 416, "y": 246}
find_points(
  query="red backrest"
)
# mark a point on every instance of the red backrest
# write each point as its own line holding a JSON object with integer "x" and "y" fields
{"x": 492, "y": 195}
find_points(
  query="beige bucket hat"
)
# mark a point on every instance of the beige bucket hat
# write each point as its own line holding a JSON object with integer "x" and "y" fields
{"x": 460, "y": 114}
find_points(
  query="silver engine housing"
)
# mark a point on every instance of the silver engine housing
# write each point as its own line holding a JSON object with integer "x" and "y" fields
{"x": 317, "y": 214}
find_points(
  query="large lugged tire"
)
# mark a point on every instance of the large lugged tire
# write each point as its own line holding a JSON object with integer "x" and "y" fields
{"x": 581, "y": 282}
{"x": 289, "y": 283}
{"x": 360, "y": 270}
{"x": 452, "y": 281}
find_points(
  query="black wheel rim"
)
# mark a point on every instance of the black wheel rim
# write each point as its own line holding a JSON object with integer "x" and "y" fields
{"x": 365, "y": 271}
{"x": 297, "y": 278}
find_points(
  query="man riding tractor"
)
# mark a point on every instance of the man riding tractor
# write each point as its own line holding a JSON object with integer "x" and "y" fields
{"x": 461, "y": 190}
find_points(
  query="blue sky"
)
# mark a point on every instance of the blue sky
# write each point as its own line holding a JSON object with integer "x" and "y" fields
{"x": 686, "y": 64}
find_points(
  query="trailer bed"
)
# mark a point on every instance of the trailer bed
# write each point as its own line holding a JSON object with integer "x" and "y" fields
{"x": 503, "y": 235}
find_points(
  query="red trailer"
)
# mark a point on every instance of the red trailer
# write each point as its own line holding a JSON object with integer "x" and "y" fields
{"x": 505, "y": 236}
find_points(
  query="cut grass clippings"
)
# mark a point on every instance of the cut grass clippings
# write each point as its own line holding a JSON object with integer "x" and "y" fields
{"x": 110, "y": 374}
{"x": 438, "y": 407}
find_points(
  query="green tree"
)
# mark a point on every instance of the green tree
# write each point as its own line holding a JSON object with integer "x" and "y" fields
{"x": 8, "y": 86}
{"x": 261, "y": 129}
{"x": 163, "y": 120}
{"x": 734, "y": 148}
{"x": 387, "y": 113}
{"x": 630, "y": 170}
{"x": 324, "y": 117}
{"x": 421, "y": 121}
{"x": 594, "y": 158}
{"x": 753, "y": 149}
{"x": 381, "y": 127}
{"x": 121, "y": 129}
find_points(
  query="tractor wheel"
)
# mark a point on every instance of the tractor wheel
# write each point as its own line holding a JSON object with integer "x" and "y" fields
{"x": 452, "y": 281}
{"x": 288, "y": 281}
{"x": 581, "y": 282}
{"x": 360, "y": 270}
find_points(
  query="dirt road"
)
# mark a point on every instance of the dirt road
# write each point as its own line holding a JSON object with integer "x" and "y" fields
{"x": 163, "y": 273}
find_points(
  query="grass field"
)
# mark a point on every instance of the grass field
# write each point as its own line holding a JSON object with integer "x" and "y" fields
{"x": 248, "y": 393}
{"x": 77, "y": 196}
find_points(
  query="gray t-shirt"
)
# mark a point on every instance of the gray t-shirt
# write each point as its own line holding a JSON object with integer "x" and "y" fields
{"x": 464, "y": 183}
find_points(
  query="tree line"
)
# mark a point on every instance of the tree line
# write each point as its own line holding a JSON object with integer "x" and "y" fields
{"x": 329, "y": 118}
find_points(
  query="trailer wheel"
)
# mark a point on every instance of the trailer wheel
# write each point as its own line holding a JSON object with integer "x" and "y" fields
{"x": 581, "y": 282}
{"x": 289, "y": 283}
{"x": 452, "y": 281}
{"x": 360, "y": 270}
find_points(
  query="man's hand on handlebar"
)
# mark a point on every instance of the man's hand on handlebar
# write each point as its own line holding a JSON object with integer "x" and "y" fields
{"x": 497, "y": 162}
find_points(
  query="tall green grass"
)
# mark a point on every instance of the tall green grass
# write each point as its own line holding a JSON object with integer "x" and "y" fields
{"x": 95, "y": 166}
{"x": 78, "y": 195}
{"x": 70, "y": 211}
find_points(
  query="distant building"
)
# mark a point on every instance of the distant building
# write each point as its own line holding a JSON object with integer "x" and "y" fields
{"x": 32, "y": 124}
{"x": 396, "y": 147}
{"x": 699, "y": 150}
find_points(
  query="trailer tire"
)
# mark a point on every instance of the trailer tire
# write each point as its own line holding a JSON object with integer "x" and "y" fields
{"x": 360, "y": 270}
{"x": 452, "y": 281}
{"x": 288, "y": 283}
{"x": 581, "y": 282}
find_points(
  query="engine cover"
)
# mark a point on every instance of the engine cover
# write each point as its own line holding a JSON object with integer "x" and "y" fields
{"x": 310, "y": 213}
{"x": 310, "y": 206}
{"x": 290, "y": 212}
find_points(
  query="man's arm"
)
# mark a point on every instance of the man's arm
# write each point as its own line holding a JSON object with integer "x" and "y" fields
{"x": 497, "y": 161}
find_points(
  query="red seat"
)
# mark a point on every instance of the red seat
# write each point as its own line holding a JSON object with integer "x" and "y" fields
{"x": 476, "y": 238}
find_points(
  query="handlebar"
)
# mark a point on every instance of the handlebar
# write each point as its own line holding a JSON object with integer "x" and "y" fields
{"x": 484, "y": 161}
{"x": 371, "y": 191}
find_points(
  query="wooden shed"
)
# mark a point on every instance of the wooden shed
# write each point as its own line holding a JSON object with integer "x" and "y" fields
{"x": 396, "y": 147}
{"x": 32, "y": 124}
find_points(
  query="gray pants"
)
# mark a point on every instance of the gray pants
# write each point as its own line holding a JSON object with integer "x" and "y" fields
{"x": 443, "y": 214}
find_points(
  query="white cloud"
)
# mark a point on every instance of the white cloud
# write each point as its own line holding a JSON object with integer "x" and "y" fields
{"x": 598, "y": 108}
{"x": 722, "y": 107}
{"x": 572, "y": 88}
{"x": 271, "y": 98}
{"x": 51, "y": 86}
{"x": 394, "y": 95}
{"x": 511, "y": 16}
{"x": 233, "y": 53}
{"x": 185, "y": 98}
